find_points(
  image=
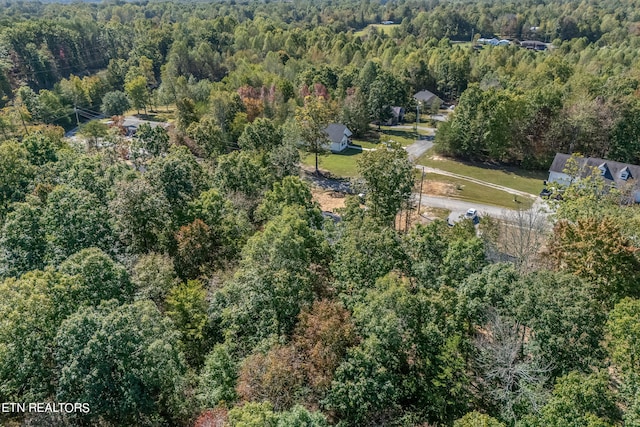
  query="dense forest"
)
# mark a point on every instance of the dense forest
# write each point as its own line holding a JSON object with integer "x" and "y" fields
{"x": 187, "y": 277}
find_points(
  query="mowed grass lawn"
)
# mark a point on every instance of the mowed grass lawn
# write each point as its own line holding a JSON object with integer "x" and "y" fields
{"x": 518, "y": 179}
{"x": 400, "y": 135}
{"x": 342, "y": 164}
{"x": 345, "y": 165}
{"x": 386, "y": 29}
{"x": 472, "y": 192}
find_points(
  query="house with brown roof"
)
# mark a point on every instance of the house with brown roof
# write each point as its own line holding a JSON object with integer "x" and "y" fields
{"x": 614, "y": 174}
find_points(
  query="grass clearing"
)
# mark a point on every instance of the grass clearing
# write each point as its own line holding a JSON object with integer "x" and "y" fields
{"x": 400, "y": 135}
{"x": 472, "y": 192}
{"x": 342, "y": 164}
{"x": 386, "y": 29}
{"x": 403, "y": 136}
{"x": 518, "y": 179}
{"x": 435, "y": 213}
{"x": 365, "y": 143}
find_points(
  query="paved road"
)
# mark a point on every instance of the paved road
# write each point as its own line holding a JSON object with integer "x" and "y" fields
{"x": 423, "y": 128}
{"x": 440, "y": 117}
{"x": 477, "y": 181}
{"x": 459, "y": 207}
{"x": 418, "y": 148}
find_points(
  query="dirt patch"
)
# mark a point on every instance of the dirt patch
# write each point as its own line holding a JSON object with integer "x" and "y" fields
{"x": 403, "y": 223}
{"x": 329, "y": 200}
{"x": 432, "y": 213}
{"x": 435, "y": 188}
{"x": 438, "y": 158}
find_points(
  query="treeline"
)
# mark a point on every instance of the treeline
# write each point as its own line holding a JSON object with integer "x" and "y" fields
{"x": 580, "y": 96}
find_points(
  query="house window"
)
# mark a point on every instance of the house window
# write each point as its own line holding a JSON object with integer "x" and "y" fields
{"x": 624, "y": 174}
{"x": 603, "y": 169}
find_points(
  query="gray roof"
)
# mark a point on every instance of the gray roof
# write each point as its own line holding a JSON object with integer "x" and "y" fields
{"x": 397, "y": 111}
{"x": 611, "y": 171}
{"x": 425, "y": 96}
{"x": 336, "y": 131}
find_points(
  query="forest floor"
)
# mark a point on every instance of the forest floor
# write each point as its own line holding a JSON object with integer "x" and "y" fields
{"x": 329, "y": 200}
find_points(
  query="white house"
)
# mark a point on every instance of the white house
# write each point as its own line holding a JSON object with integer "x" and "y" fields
{"x": 338, "y": 137}
{"x": 614, "y": 174}
{"x": 494, "y": 42}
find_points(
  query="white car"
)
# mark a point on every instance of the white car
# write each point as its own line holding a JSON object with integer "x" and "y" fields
{"x": 472, "y": 214}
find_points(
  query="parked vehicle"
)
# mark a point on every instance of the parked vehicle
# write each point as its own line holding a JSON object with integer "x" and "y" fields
{"x": 472, "y": 214}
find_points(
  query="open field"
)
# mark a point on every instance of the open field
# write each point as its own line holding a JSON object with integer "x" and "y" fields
{"x": 402, "y": 135}
{"x": 434, "y": 213}
{"x": 342, "y": 164}
{"x": 518, "y": 179}
{"x": 441, "y": 185}
{"x": 386, "y": 29}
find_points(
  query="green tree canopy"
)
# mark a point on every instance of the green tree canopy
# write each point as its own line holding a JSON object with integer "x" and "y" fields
{"x": 32, "y": 309}
{"x": 186, "y": 306}
{"x": 22, "y": 241}
{"x": 580, "y": 400}
{"x": 115, "y": 103}
{"x": 123, "y": 361}
{"x": 72, "y": 220}
{"x": 100, "y": 278}
{"x": 141, "y": 215}
{"x": 388, "y": 176}
{"x": 16, "y": 173}
{"x": 312, "y": 119}
{"x": 262, "y": 134}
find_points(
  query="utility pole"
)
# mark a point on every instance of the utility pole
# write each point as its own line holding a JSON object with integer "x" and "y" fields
{"x": 420, "y": 197}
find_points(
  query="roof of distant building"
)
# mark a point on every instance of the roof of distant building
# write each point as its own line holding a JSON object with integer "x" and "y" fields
{"x": 425, "y": 96}
{"x": 611, "y": 171}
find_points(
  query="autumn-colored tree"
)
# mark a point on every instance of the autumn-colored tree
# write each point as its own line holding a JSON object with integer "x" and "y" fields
{"x": 598, "y": 251}
{"x": 275, "y": 377}
{"x": 322, "y": 336}
{"x": 212, "y": 418}
{"x": 194, "y": 248}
